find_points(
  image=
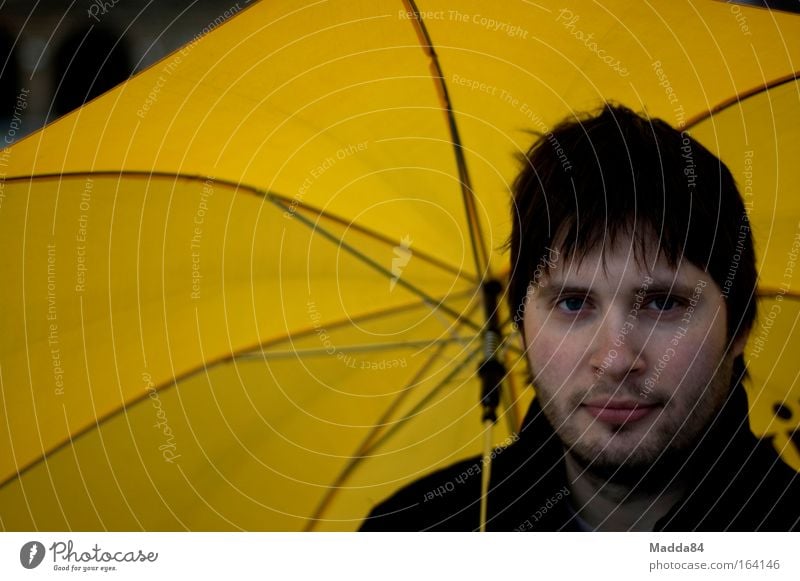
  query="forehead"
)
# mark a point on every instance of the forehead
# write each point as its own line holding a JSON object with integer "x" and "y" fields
{"x": 623, "y": 259}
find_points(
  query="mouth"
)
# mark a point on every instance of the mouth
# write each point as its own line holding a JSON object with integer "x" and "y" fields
{"x": 619, "y": 412}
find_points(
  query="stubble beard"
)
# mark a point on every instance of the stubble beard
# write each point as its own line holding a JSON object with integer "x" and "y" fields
{"x": 644, "y": 456}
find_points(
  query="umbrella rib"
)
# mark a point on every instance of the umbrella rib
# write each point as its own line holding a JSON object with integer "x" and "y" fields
{"x": 258, "y": 354}
{"x": 358, "y": 457}
{"x": 364, "y": 447}
{"x": 376, "y": 235}
{"x": 739, "y": 97}
{"x": 430, "y": 395}
{"x": 308, "y": 331}
{"x": 234, "y": 356}
{"x": 373, "y": 440}
{"x": 373, "y": 264}
{"x": 773, "y": 292}
{"x": 480, "y": 253}
{"x": 421, "y": 254}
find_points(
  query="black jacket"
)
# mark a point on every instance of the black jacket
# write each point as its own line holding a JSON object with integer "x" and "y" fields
{"x": 736, "y": 483}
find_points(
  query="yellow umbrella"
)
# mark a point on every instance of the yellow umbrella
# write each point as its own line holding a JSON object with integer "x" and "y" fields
{"x": 243, "y": 289}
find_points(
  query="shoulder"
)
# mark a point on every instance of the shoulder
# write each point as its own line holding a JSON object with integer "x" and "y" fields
{"x": 776, "y": 491}
{"x": 757, "y": 492}
{"x": 447, "y": 500}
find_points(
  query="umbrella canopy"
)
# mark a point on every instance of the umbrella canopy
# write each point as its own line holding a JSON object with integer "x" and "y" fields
{"x": 243, "y": 289}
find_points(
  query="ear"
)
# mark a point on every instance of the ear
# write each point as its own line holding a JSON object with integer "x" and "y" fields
{"x": 739, "y": 342}
{"x": 521, "y": 331}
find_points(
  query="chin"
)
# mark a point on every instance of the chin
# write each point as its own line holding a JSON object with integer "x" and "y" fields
{"x": 614, "y": 453}
{"x": 634, "y": 459}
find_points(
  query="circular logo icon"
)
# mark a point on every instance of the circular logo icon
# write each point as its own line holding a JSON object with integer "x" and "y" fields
{"x": 31, "y": 554}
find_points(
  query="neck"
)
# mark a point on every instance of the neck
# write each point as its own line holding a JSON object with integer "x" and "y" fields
{"x": 617, "y": 506}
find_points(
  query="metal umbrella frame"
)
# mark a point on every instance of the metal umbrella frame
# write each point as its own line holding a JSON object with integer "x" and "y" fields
{"x": 262, "y": 302}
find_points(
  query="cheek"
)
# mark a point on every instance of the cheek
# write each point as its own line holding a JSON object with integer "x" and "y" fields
{"x": 552, "y": 358}
{"x": 555, "y": 348}
{"x": 542, "y": 351}
{"x": 697, "y": 355}
{"x": 543, "y": 347}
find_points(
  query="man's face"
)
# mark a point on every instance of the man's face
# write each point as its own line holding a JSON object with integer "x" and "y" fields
{"x": 629, "y": 358}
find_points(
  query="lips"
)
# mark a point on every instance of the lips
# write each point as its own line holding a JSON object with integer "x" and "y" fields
{"x": 619, "y": 411}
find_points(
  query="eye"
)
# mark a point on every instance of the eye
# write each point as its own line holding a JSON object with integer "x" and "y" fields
{"x": 665, "y": 303}
{"x": 571, "y": 304}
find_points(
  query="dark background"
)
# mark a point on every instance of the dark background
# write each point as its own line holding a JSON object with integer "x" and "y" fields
{"x": 64, "y": 55}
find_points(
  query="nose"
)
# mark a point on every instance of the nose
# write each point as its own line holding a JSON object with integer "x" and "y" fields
{"x": 616, "y": 349}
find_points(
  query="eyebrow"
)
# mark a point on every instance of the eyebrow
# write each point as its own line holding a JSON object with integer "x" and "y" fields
{"x": 673, "y": 287}
{"x": 556, "y": 288}
{"x": 550, "y": 290}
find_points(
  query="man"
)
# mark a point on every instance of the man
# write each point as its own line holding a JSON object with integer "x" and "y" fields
{"x": 633, "y": 279}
